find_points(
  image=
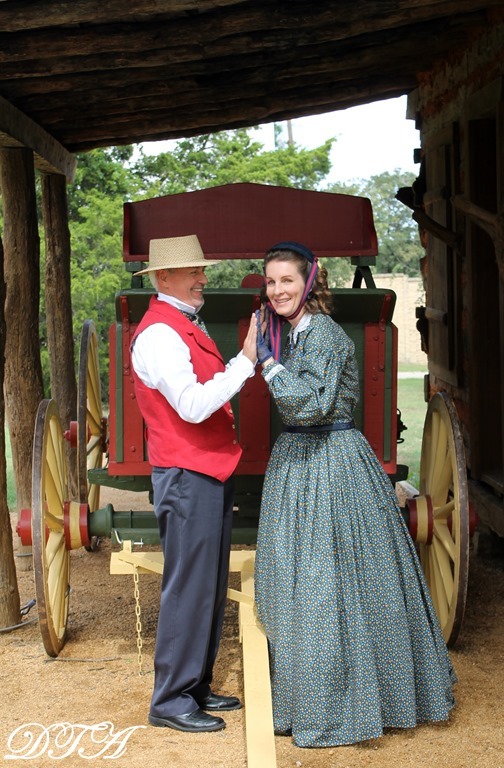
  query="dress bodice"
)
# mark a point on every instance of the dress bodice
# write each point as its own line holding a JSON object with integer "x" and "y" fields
{"x": 320, "y": 383}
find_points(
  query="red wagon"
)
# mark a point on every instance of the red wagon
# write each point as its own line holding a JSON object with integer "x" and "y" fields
{"x": 236, "y": 222}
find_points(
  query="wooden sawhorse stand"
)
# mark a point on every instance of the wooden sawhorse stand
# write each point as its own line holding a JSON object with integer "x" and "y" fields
{"x": 256, "y": 675}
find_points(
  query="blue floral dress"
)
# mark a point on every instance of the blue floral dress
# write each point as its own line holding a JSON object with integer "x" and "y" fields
{"x": 354, "y": 640}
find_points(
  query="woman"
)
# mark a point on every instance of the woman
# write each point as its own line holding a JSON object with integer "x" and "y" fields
{"x": 355, "y": 643}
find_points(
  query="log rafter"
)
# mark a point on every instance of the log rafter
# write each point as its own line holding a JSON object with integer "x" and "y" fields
{"x": 16, "y": 130}
{"x": 94, "y": 74}
{"x": 16, "y": 16}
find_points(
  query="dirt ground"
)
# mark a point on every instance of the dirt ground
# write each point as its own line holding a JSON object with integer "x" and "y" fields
{"x": 96, "y": 680}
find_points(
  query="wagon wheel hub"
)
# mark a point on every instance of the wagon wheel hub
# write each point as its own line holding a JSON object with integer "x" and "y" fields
{"x": 74, "y": 524}
{"x": 421, "y": 519}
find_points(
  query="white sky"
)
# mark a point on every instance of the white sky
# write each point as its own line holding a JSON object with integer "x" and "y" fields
{"x": 370, "y": 139}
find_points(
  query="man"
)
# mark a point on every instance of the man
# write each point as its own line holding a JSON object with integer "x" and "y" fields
{"x": 183, "y": 390}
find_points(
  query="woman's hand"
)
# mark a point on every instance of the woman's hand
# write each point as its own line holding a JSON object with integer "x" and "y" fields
{"x": 264, "y": 353}
{"x": 263, "y": 318}
{"x": 250, "y": 343}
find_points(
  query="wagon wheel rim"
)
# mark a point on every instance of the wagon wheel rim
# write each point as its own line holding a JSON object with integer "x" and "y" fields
{"x": 51, "y": 558}
{"x": 443, "y": 479}
{"x": 89, "y": 417}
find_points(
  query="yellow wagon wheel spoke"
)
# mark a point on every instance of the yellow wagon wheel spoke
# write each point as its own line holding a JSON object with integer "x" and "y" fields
{"x": 90, "y": 423}
{"x": 445, "y": 559}
{"x": 51, "y": 559}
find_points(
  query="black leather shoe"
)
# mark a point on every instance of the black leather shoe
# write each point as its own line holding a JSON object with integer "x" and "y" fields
{"x": 194, "y": 722}
{"x": 215, "y": 703}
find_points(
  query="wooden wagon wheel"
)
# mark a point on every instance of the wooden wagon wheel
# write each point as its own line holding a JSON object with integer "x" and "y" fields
{"x": 441, "y": 514}
{"x": 90, "y": 424}
{"x": 51, "y": 557}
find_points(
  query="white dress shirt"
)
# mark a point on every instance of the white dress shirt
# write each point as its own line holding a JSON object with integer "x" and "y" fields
{"x": 163, "y": 362}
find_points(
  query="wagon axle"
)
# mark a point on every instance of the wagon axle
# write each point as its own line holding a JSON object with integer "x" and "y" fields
{"x": 79, "y": 527}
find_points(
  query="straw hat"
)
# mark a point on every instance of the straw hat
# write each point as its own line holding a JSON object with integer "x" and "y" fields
{"x": 175, "y": 252}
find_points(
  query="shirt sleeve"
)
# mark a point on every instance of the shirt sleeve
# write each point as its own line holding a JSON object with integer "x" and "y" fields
{"x": 162, "y": 361}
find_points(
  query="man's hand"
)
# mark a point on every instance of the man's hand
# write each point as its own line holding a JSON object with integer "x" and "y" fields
{"x": 250, "y": 343}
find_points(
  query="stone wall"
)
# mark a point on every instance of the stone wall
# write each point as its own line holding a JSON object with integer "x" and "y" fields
{"x": 410, "y": 294}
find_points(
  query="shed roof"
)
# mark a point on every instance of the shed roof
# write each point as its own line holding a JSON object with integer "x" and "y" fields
{"x": 93, "y": 73}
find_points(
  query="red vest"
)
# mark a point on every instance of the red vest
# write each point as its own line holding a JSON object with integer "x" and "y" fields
{"x": 210, "y": 447}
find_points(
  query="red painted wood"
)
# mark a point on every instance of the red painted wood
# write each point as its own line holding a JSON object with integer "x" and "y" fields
{"x": 413, "y": 518}
{"x": 129, "y": 469}
{"x": 133, "y": 428}
{"x": 254, "y": 419}
{"x": 126, "y": 447}
{"x": 375, "y": 363}
{"x": 241, "y": 221}
{"x": 391, "y": 466}
{"x": 374, "y": 386}
{"x": 112, "y": 395}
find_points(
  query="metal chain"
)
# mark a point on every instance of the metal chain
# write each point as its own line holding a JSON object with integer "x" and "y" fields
{"x": 138, "y": 622}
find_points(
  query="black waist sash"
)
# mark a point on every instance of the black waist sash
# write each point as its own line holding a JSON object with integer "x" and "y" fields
{"x": 338, "y": 425}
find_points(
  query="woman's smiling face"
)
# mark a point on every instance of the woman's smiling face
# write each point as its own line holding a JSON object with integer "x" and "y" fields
{"x": 284, "y": 287}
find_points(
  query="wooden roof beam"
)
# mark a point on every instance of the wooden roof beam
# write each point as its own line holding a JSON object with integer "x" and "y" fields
{"x": 252, "y": 28}
{"x": 18, "y": 130}
{"x": 218, "y": 116}
{"x": 16, "y": 16}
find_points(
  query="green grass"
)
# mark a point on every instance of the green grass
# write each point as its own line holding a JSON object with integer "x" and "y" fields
{"x": 411, "y": 368}
{"x": 411, "y": 403}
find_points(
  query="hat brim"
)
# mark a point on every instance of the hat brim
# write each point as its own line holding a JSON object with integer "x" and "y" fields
{"x": 179, "y": 265}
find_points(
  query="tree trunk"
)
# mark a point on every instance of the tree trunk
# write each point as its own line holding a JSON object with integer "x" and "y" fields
{"x": 23, "y": 371}
{"x": 9, "y": 593}
{"x": 58, "y": 303}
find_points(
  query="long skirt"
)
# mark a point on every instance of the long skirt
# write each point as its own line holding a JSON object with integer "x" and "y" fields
{"x": 355, "y": 643}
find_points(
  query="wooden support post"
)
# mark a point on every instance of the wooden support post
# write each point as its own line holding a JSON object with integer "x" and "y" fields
{"x": 58, "y": 304}
{"x": 9, "y": 594}
{"x": 23, "y": 371}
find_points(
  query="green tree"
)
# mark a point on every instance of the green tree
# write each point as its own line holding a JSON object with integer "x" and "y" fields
{"x": 230, "y": 157}
{"x": 106, "y": 172}
{"x": 106, "y": 178}
{"x": 104, "y": 181}
{"x": 399, "y": 248}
